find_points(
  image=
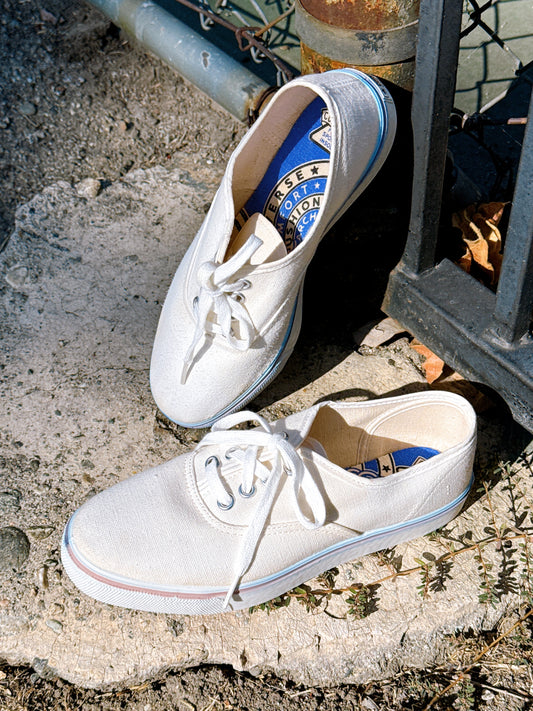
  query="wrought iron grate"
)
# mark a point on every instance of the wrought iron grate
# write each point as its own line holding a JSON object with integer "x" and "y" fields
{"x": 484, "y": 335}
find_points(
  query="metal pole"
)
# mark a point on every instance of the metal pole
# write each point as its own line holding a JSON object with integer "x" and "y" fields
{"x": 514, "y": 300}
{"x": 436, "y": 62}
{"x": 206, "y": 66}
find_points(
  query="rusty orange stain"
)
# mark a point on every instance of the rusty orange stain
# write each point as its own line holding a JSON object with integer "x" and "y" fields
{"x": 401, "y": 74}
{"x": 364, "y": 14}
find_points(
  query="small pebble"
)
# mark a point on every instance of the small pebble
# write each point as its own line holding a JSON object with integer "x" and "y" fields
{"x": 48, "y": 17}
{"x": 89, "y": 188}
{"x": 16, "y": 276}
{"x": 122, "y": 126}
{"x": 42, "y": 577}
{"x": 27, "y": 108}
{"x": 43, "y": 488}
{"x": 14, "y": 548}
{"x": 4, "y": 122}
{"x": 55, "y": 626}
{"x": 10, "y": 501}
{"x": 40, "y": 532}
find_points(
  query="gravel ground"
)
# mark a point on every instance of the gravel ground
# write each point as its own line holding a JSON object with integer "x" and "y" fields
{"x": 78, "y": 101}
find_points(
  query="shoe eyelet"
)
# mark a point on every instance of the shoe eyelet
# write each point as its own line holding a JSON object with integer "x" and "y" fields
{"x": 246, "y": 494}
{"x": 237, "y": 296}
{"x": 212, "y": 460}
{"x": 195, "y": 302}
{"x": 226, "y": 507}
{"x": 229, "y": 452}
{"x": 245, "y": 284}
{"x": 285, "y": 435}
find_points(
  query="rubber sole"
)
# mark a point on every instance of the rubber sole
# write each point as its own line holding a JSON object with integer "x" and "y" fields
{"x": 117, "y": 590}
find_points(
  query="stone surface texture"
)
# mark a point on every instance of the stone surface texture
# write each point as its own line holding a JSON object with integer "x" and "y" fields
{"x": 82, "y": 281}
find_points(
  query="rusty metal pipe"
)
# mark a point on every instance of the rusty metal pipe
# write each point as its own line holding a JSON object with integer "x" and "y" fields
{"x": 376, "y": 36}
{"x": 206, "y": 66}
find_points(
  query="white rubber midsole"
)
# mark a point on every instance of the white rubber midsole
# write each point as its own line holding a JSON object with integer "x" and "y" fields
{"x": 116, "y": 590}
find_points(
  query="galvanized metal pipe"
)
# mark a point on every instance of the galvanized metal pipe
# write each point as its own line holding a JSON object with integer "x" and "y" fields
{"x": 206, "y": 66}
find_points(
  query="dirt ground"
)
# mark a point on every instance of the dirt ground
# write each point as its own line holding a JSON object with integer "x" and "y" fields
{"x": 77, "y": 100}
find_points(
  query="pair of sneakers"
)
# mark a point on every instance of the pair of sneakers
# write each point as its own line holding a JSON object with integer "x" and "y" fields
{"x": 250, "y": 513}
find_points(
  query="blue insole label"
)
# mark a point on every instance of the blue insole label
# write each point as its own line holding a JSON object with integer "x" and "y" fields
{"x": 392, "y": 463}
{"x": 291, "y": 191}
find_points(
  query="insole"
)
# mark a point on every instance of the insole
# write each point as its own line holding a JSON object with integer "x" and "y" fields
{"x": 290, "y": 192}
{"x": 385, "y": 465}
{"x": 393, "y": 462}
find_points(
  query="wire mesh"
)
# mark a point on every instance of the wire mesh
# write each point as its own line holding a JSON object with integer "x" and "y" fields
{"x": 260, "y": 28}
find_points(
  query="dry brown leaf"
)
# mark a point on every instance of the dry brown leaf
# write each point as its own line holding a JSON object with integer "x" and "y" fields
{"x": 482, "y": 239}
{"x": 465, "y": 262}
{"x": 433, "y": 365}
{"x": 441, "y": 377}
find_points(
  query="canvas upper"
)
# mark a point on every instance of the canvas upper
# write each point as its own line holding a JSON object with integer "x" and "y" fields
{"x": 248, "y": 514}
{"x": 231, "y": 317}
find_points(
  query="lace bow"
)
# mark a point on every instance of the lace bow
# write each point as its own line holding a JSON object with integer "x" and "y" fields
{"x": 222, "y": 297}
{"x": 249, "y": 447}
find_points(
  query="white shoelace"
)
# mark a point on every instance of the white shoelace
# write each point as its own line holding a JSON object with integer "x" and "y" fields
{"x": 222, "y": 297}
{"x": 248, "y": 447}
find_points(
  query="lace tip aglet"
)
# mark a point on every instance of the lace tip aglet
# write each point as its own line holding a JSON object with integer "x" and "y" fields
{"x": 227, "y": 601}
{"x": 229, "y": 594}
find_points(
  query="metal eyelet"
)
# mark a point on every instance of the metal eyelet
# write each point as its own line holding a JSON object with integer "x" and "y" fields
{"x": 284, "y": 434}
{"x": 212, "y": 459}
{"x": 228, "y": 453}
{"x": 246, "y": 494}
{"x": 226, "y": 507}
{"x": 245, "y": 284}
{"x": 237, "y": 296}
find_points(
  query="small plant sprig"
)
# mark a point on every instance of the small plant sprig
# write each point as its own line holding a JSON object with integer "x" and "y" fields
{"x": 465, "y": 694}
{"x": 424, "y": 568}
{"x": 465, "y": 672}
{"x": 312, "y": 598}
{"x": 434, "y": 571}
{"x": 362, "y": 600}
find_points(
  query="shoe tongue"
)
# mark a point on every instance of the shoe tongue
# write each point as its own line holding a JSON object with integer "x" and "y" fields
{"x": 314, "y": 444}
{"x": 273, "y": 247}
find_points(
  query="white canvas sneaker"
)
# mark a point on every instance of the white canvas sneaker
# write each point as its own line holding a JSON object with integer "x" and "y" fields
{"x": 232, "y": 315}
{"x": 249, "y": 514}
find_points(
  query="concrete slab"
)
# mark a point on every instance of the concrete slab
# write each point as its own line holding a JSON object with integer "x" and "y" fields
{"x": 82, "y": 280}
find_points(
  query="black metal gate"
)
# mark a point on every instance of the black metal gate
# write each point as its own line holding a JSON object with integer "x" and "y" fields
{"x": 490, "y": 341}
